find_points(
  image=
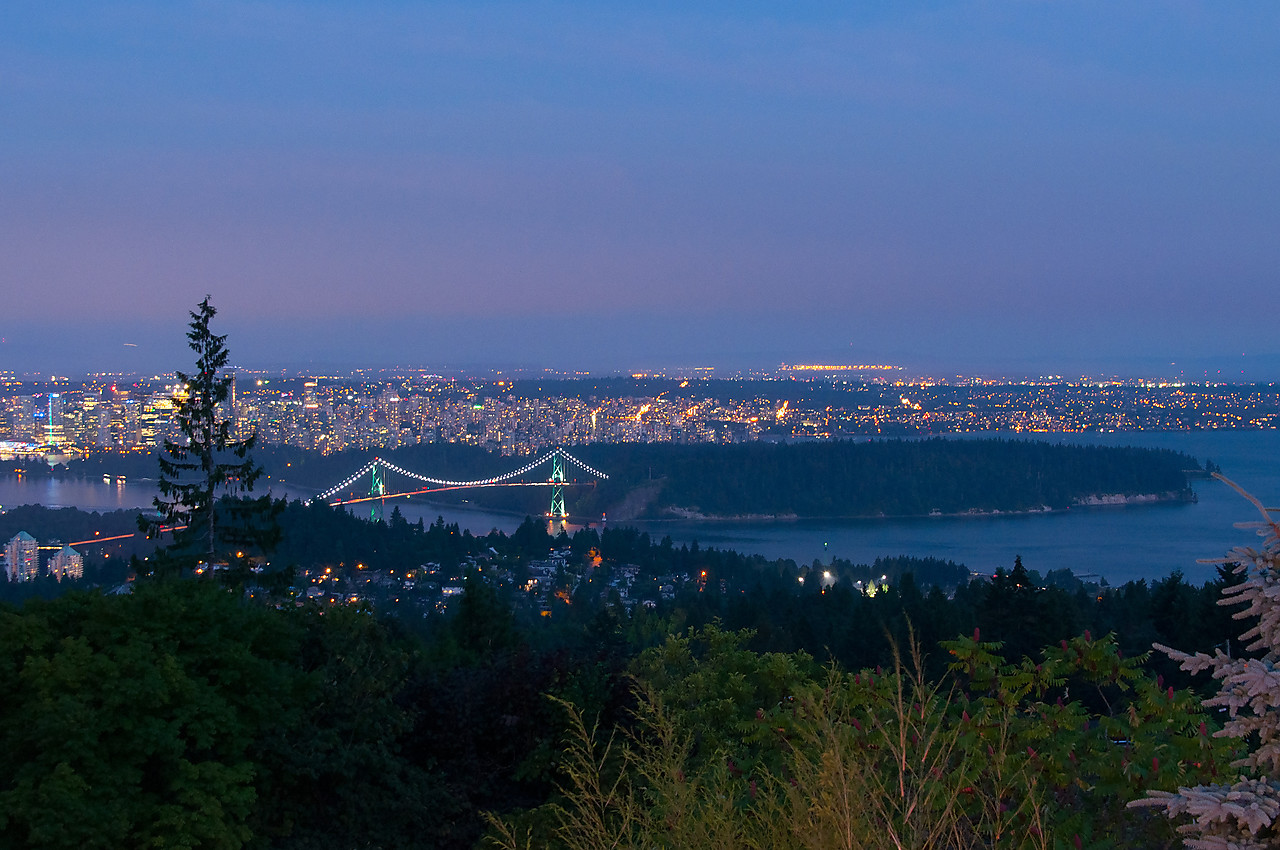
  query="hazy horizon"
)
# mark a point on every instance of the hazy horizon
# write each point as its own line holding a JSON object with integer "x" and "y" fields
{"x": 565, "y": 345}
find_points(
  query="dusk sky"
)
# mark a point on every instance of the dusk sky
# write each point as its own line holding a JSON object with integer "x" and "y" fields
{"x": 1002, "y": 186}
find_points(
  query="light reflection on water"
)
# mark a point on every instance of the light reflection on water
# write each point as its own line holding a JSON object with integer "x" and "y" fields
{"x": 87, "y": 495}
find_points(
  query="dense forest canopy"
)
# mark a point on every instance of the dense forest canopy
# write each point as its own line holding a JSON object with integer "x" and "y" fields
{"x": 890, "y": 478}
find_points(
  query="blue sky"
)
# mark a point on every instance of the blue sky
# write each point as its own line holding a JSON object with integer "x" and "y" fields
{"x": 1034, "y": 186}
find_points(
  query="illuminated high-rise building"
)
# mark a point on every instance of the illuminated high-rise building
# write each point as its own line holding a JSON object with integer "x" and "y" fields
{"x": 68, "y": 562}
{"x": 309, "y": 400}
{"x": 22, "y": 557}
{"x": 132, "y": 422}
{"x": 154, "y": 420}
{"x": 53, "y": 420}
{"x": 102, "y": 423}
{"x": 24, "y": 419}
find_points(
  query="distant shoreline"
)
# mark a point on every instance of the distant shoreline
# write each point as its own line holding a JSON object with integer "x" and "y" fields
{"x": 1103, "y": 500}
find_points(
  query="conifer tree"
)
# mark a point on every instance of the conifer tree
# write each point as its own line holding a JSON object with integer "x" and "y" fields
{"x": 206, "y": 474}
{"x": 1243, "y": 814}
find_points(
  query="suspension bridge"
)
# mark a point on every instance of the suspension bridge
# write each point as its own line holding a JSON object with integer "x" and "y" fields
{"x": 376, "y": 470}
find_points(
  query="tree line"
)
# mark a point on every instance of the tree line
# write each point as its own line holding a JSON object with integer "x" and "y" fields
{"x": 830, "y": 618}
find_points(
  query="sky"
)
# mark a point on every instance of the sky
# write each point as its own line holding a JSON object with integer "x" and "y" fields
{"x": 1001, "y": 187}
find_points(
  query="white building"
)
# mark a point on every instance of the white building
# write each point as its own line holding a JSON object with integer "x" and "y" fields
{"x": 68, "y": 562}
{"x": 22, "y": 557}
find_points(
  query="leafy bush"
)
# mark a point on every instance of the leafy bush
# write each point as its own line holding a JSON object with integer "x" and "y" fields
{"x": 736, "y": 749}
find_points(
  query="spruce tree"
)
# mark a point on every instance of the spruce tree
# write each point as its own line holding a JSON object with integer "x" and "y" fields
{"x": 206, "y": 474}
{"x": 1242, "y": 814}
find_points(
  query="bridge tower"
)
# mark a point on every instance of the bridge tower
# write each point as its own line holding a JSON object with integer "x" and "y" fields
{"x": 557, "y": 486}
{"x": 378, "y": 490}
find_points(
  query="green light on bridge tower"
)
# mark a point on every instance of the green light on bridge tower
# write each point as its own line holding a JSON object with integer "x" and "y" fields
{"x": 557, "y": 487}
{"x": 378, "y": 491}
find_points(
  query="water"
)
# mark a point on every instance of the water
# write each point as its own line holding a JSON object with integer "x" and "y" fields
{"x": 138, "y": 493}
{"x": 74, "y": 493}
{"x": 1118, "y": 543}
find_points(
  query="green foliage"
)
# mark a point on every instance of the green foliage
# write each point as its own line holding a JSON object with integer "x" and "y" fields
{"x": 735, "y": 749}
{"x": 340, "y": 779}
{"x": 317, "y": 535}
{"x": 182, "y": 716}
{"x": 1090, "y": 725}
{"x": 131, "y": 720}
{"x": 881, "y": 761}
{"x": 483, "y": 623}
{"x": 716, "y": 690}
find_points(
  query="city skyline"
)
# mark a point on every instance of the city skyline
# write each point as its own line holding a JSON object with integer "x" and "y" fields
{"x": 1010, "y": 188}
{"x": 530, "y": 416}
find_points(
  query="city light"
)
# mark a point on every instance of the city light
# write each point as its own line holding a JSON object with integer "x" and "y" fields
{"x": 346, "y": 414}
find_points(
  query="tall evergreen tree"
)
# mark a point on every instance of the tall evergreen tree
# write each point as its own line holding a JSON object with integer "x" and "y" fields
{"x": 205, "y": 475}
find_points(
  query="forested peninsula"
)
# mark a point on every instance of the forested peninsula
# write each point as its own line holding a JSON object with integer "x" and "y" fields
{"x": 888, "y": 477}
{"x": 837, "y": 478}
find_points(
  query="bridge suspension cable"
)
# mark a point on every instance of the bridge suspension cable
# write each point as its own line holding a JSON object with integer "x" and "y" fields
{"x": 597, "y": 473}
{"x": 444, "y": 482}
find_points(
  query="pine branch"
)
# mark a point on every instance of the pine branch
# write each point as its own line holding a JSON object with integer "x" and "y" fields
{"x": 1242, "y": 815}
